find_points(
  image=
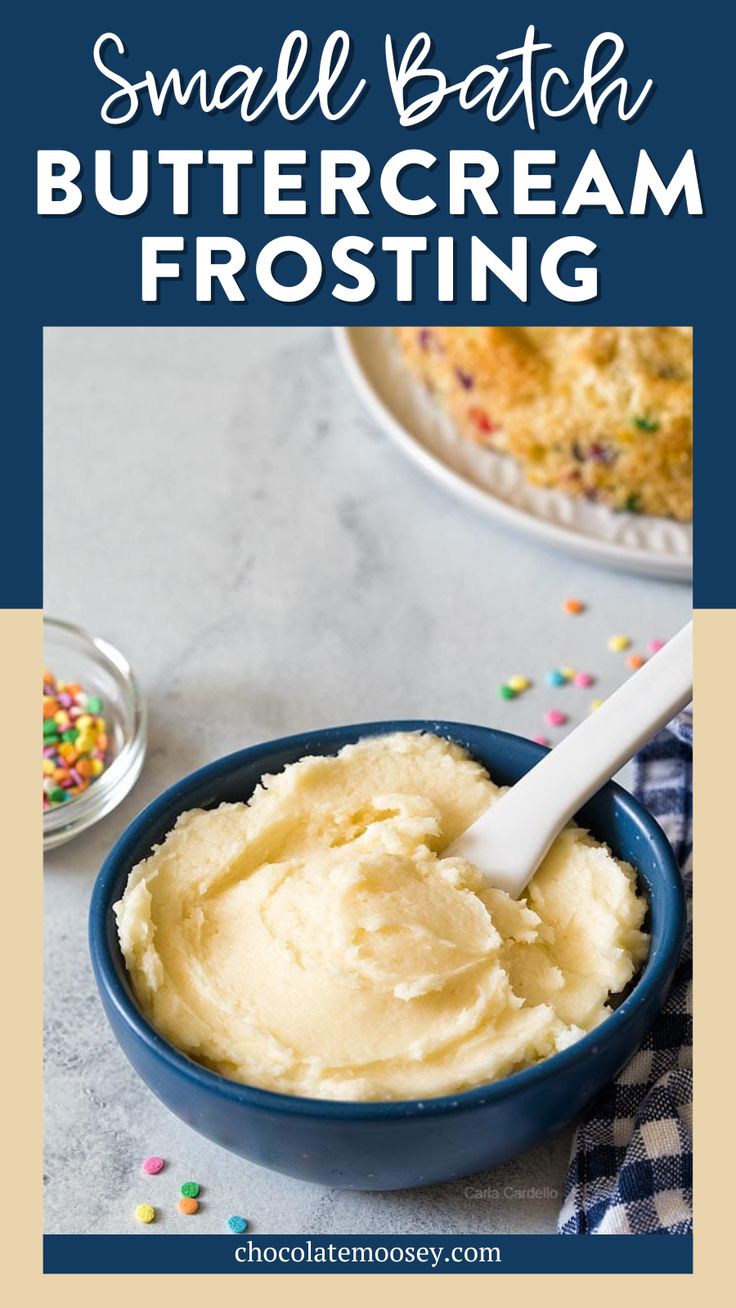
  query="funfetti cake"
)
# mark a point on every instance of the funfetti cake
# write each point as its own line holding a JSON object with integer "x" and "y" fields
{"x": 600, "y": 412}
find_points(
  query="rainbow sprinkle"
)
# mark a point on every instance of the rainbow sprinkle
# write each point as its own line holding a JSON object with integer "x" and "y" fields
{"x": 75, "y": 740}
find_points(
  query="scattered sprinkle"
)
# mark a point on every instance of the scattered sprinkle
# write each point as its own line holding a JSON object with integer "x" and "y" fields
{"x": 618, "y": 643}
{"x": 153, "y": 1165}
{"x": 583, "y": 680}
{"x": 574, "y": 606}
{"x": 518, "y": 684}
{"x": 237, "y": 1225}
{"x": 481, "y": 419}
{"x": 556, "y": 677}
{"x": 75, "y": 741}
{"x": 595, "y": 704}
{"x": 645, "y": 423}
{"x": 541, "y": 740}
{"x": 568, "y": 673}
{"x": 555, "y": 718}
{"x": 635, "y": 661}
{"x": 190, "y": 1189}
{"x": 188, "y": 1204}
{"x": 507, "y": 691}
{"x": 655, "y": 645}
{"x": 145, "y": 1213}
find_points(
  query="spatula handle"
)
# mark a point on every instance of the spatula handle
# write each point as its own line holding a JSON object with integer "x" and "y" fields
{"x": 517, "y": 831}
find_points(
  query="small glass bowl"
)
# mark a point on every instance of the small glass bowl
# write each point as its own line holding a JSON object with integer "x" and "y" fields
{"x": 72, "y": 654}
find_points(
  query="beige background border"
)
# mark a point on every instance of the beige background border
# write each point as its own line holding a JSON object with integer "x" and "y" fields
{"x": 20, "y": 662}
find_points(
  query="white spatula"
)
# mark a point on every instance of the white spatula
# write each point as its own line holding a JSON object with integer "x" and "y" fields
{"x": 512, "y": 837}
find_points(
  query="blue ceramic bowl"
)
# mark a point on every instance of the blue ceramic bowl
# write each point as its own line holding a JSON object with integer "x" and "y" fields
{"x": 382, "y": 1146}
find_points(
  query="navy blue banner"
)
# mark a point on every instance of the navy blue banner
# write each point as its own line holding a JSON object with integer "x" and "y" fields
{"x": 435, "y": 1254}
{"x": 85, "y": 267}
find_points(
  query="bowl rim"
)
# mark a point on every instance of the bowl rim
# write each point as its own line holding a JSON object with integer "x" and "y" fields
{"x": 656, "y": 968}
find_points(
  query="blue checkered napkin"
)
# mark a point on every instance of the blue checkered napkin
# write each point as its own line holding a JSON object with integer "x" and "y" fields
{"x": 630, "y": 1170}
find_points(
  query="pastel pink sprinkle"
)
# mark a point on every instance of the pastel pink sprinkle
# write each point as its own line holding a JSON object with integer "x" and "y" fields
{"x": 540, "y": 740}
{"x": 654, "y": 645}
{"x": 153, "y": 1165}
{"x": 583, "y": 679}
{"x": 555, "y": 717}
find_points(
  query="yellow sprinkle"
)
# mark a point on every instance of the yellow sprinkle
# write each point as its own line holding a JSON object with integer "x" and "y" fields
{"x": 568, "y": 673}
{"x": 518, "y": 683}
{"x": 595, "y": 704}
{"x": 83, "y": 721}
{"x": 48, "y": 767}
{"x": 97, "y": 767}
{"x": 617, "y": 643}
{"x": 145, "y": 1213}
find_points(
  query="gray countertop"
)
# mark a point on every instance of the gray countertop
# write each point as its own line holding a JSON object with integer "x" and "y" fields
{"x": 220, "y": 506}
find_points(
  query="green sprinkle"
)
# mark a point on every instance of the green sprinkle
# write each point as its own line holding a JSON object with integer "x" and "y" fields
{"x": 507, "y": 692}
{"x": 94, "y": 704}
{"x": 190, "y": 1189}
{"x": 50, "y": 728}
{"x": 633, "y": 504}
{"x": 646, "y": 424}
{"x": 58, "y": 795}
{"x": 70, "y": 736}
